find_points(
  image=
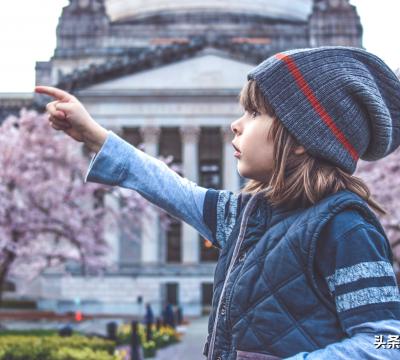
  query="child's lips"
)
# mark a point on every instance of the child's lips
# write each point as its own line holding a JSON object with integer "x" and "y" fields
{"x": 237, "y": 153}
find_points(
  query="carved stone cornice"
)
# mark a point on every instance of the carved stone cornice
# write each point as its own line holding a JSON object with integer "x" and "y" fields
{"x": 190, "y": 134}
{"x": 324, "y": 5}
{"x": 150, "y": 134}
{"x": 157, "y": 56}
{"x": 91, "y": 6}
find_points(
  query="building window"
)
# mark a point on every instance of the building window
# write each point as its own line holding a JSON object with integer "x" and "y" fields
{"x": 174, "y": 244}
{"x": 210, "y": 174}
{"x": 208, "y": 252}
{"x": 172, "y": 293}
{"x": 170, "y": 144}
{"x": 132, "y": 136}
{"x": 206, "y": 297}
{"x": 210, "y": 152}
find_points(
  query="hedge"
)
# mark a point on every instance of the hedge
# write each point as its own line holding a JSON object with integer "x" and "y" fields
{"x": 56, "y": 348}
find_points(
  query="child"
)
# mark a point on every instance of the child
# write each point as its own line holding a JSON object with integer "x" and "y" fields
{"x": 305, "y": 267}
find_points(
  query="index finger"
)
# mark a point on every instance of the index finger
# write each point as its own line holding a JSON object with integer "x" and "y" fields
{"x": 54, "y": 92}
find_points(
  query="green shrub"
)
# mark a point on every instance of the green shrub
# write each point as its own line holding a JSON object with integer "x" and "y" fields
{"x": 33, "y": 332}
{"x": 23, "y": 348}
{"x": 17, "y": 304}
{"x": 149, "y": 349}
{"x": 49, "y": 347}
{"x": 165, "y": 336}
{"x": 162, "y": 337}
{"x": 81, "y": 354}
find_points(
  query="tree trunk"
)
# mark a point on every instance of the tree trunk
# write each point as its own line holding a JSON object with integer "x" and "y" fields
{"x": 4, "y": 269}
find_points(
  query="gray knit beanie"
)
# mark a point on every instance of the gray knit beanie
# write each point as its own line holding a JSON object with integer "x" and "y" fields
{"x": 340, "y": 103}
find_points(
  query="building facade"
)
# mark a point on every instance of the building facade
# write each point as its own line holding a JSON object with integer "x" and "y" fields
{"x": 167, "y": 74}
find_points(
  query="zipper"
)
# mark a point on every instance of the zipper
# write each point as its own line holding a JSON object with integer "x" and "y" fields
{"x": 228, "y": 302}
{"x": 243, "y": 225}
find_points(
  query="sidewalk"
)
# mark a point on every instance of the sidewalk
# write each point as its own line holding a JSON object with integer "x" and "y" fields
{"x": 191, "y": 346}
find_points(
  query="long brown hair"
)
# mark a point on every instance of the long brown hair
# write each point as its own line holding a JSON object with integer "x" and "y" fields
{"x": 297, "y": 180}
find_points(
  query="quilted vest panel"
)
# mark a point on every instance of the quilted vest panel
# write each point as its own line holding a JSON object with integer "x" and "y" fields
{"x": 265, "y": 291}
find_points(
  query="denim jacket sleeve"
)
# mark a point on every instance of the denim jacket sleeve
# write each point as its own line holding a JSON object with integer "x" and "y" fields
{"x": 378, "y": 340}
{"x": 119, "y": 163}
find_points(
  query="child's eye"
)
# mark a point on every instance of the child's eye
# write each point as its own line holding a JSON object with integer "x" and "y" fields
{"x": 254, "y": 114}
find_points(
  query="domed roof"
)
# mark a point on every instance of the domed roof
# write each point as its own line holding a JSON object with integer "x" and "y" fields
{"x": 283, "y": 9}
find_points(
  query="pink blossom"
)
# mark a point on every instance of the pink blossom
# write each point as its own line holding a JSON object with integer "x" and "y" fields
{"x": 48, "y": 215}
{"x": 383, "y": 179}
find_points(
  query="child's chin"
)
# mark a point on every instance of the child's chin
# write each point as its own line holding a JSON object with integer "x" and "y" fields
{"x": 248, "y": 174}
{"x": 243, "y": 172}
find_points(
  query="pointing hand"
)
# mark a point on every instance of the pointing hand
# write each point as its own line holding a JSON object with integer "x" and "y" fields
{"x": 69, "y": 115}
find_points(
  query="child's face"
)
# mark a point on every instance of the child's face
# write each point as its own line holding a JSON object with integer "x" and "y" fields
{"x": 255, "y": 159}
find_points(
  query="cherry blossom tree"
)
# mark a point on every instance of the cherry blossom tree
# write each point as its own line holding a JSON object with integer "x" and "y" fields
{"x": 48, "y": 214}
{"x": 383, "y": 179}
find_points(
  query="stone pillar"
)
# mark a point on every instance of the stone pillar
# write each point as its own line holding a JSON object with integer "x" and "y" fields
{"x": 150, "y": 224}
{"x": 112, "y": 232}
{"x": 230, "y": 175}
{"x": 190, "y": 158}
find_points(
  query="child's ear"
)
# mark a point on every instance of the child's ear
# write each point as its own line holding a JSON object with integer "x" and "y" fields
{"x": 299, "y": 150}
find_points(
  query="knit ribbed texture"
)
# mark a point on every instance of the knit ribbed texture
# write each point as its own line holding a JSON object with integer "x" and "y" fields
{"x": 340, "y": 103}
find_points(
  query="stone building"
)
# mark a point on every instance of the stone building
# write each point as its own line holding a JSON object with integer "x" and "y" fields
{"x": 166, "y": 74}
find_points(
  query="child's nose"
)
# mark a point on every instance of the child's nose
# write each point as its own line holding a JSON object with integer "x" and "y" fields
{"x": 234, "y": 127}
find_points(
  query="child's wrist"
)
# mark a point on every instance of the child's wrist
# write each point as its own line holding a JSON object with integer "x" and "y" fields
{"x": 95, "y": 138}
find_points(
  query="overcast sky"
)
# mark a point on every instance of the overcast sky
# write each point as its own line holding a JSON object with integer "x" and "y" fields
{"x": 27, "y": 34}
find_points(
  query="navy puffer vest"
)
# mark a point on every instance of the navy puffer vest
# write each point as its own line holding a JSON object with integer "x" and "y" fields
{"x": 266, "y": 300}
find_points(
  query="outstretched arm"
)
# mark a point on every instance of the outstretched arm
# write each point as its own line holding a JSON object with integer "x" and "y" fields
{"x": 118, "y": 163}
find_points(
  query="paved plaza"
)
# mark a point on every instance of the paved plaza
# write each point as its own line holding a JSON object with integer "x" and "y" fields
{"x": 191, "y": 346}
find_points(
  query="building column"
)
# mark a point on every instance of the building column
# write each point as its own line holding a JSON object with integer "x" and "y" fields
{"x": 150, "y": 223}
{"x": 190, "y": 237}
{"x": 112, "y": 231}
{"x": 230, "y": 174}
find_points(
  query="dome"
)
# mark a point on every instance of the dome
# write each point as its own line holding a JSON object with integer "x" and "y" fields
{"x": 283, "y": 9}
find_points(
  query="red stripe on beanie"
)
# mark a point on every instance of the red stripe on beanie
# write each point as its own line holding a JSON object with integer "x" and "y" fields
{"x": 307, "y": 91}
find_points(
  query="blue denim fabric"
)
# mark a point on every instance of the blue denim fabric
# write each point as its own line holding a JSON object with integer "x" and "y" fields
{"x": 119, "y": 163}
